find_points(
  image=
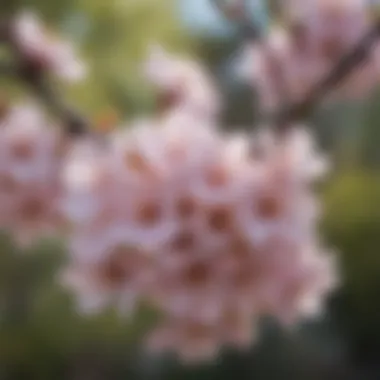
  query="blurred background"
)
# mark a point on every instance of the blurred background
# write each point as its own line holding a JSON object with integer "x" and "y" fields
{"x": 42, "y": 337}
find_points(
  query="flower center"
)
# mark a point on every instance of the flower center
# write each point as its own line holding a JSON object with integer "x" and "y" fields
{"x": 269, "y": 207}
{"x": 32, "y": 208}
{"x": 220, "y": 219}
{"x": 22, "y": 150}
{"x": 197, "y": 273}
{"x": 184, "y": 241}
{"x": 185, "y": 207}
{"x": 118, "y": 268}
{"x": 149, "y": 213}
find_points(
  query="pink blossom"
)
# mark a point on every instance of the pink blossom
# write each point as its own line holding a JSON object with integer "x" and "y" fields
{"x": 195, "y": 341}
{"x": 108, "y": 268}
{"x": 183, "y": 84}
{"x": 31, "y": 158}
{"x": 279, "y": 68}
{"x": 45, "y": 51}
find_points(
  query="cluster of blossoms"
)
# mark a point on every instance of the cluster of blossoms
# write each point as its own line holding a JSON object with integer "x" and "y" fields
{"x": 170, "y": 211}
{"x": 318, "y": 33}
{"x": 184, "y": 218}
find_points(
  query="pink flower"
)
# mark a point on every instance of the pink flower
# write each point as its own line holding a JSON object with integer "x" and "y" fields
{"x": 298, "y": 278}
{"x": 192, "y": 341}
{"x": 183, "y": 84}
{"x": 109, "y": 268}
{"x": 31, "y": 158}
{"x": 332, "y": 29}
{"x": 195, "y": 342}
{"x": 279, "y": 68}
{"x": 43, "y": 51}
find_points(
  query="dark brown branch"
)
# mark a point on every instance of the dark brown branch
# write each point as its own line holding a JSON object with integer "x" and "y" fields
{"x": 75, "y": 123}
{"x": 344, "y": 67}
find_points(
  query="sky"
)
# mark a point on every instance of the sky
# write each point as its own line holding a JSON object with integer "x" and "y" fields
{"x": 200, "y": 16}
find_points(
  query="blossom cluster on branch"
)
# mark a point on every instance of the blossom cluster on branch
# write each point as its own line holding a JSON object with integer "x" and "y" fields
{"x": 317, "y": 33}
{"x": 184, "y": 218}
{"x": 213, "y": 230}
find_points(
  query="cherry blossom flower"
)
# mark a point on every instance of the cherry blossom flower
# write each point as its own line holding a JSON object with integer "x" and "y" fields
{"x": 108, "y": 268}
{"x": 196, "y": 342}
{"x": 280, "y": 68}
{"x": 183, "y": 84}
{"x": 43, "y": 51}
{"x": 31, "y": 158}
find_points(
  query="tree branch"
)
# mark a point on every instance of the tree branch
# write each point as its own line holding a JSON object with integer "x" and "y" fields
{"x": 344, "y": 67}
{"x": 236, "y": 12}
{"x": 301, "y": 110}
{"x": 75, "y": 123}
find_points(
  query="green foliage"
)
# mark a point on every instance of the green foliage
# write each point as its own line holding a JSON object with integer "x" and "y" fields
{"x": 353, "y": 225}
